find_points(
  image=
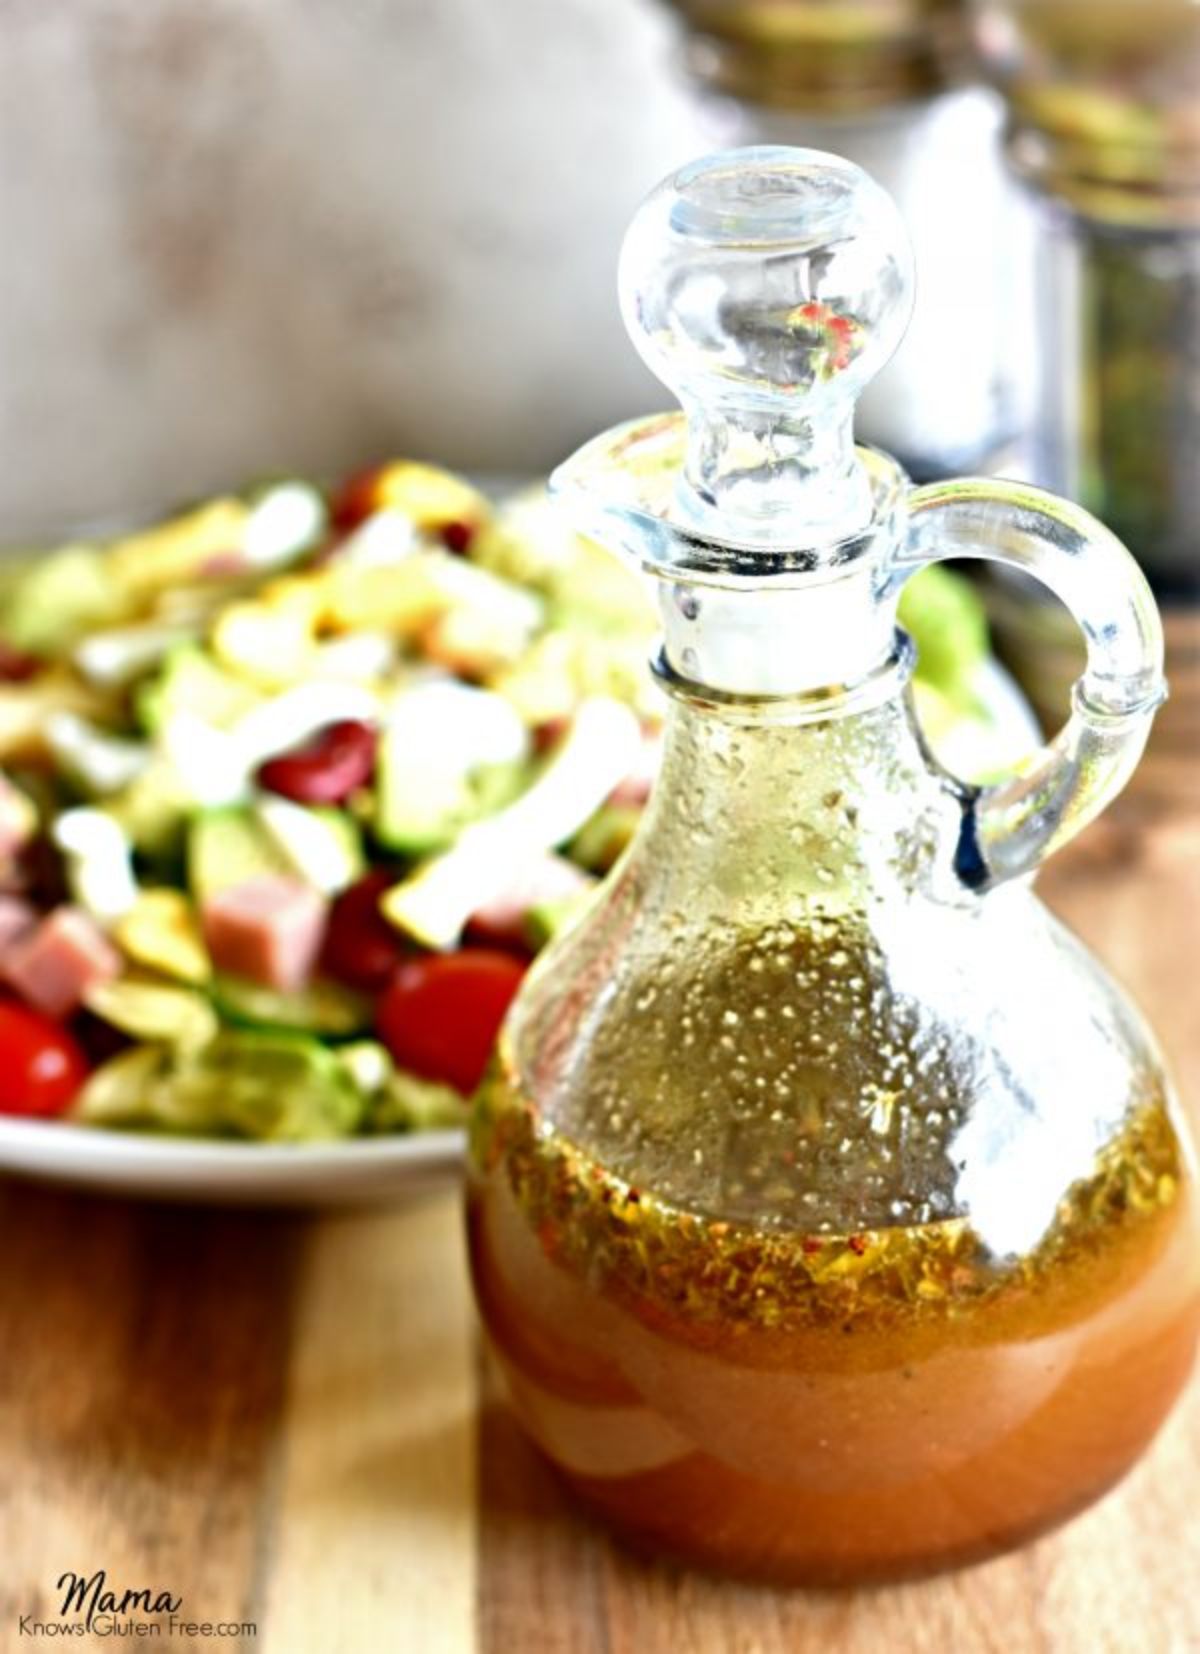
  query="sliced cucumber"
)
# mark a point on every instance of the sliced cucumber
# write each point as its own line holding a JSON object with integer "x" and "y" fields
{"x": 416, "y": 814}
{"x": 269, "y": 1087}
{"x": 600, "y": 841}
{"x": 59, "y": 598}
{"x": 161, "y": 1012}
{"x": 322, "y": 1008}
{"x": 449, "y": 754}
{"x": 546, "y": 920}
{"x": 397, "y": 1101}
{"x": 227, "y": 847}
{"x": 161, "y": 931}
{"x": 407, "y": 1103}
{"x": 122, "y": 1091}
{"x": 947, "y": 620}
{"x": 321, "y": 843}
{"x": 153, "y": 809}
{"x": 273, "y": 1087}
{"x": 191, "y": 680}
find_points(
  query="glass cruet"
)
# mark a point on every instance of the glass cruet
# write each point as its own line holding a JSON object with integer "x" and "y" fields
{"x": 830, "y": 1214}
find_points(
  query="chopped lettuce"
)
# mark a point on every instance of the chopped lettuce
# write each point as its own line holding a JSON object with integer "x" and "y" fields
{"x": 59, "y": 598}
{"x": 323, "y": 1009}
{"x": 946, "y": 619}
{"x": 191, "y": 680}
{"x": 397, "y": 1101}
{"x": 268, "y": 1087}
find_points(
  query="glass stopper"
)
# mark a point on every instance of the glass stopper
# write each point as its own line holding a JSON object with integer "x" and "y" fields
{"x": 766, "y": 287}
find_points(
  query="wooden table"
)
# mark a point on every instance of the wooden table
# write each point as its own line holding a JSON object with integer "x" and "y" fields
{"x": 286, "y": 1420}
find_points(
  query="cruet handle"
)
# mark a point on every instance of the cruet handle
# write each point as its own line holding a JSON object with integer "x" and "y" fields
{"x": 1009, "y": 828}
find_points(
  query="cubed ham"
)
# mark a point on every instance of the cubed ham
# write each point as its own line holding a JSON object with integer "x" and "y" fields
{"x": 268, "y": 929}
{"x": 18, "y": 819}
{"x": 55, "y": 964}
{"x": 17, "y": 918}
{"x": 543, "y": 882}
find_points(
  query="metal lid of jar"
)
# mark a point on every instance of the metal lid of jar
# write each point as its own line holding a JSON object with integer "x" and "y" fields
{"x": 826, "y": 56}
{"x": 1104, "y": 101}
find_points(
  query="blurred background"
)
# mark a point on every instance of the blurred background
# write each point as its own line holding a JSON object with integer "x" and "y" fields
{"x": 309, "y": 234}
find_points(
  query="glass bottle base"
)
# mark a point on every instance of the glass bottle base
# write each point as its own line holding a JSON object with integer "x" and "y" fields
{"x": 758, "y": 1558}
{"x": 900, "y": 1436}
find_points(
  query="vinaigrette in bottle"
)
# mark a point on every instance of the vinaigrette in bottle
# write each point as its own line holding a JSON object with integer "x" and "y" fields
{"x": 830, "y": 1217}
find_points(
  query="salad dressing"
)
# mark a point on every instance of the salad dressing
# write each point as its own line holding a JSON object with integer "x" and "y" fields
{"x": 728, "y": 1372}
{"x": 828, "y": 1209}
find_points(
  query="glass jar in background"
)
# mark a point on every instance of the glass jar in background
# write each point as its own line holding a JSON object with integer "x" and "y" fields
{"x": 1104, "y": 131}
{"x": 887, "y": 83}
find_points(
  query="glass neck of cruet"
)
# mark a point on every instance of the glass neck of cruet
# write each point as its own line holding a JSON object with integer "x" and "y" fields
{"x": 780, "y": 618}
{"x": 819, "y": 797}
{"x": 766, "y": 287}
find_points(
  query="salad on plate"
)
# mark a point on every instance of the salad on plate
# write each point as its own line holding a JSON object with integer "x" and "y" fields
{"x": 294, "y": 785}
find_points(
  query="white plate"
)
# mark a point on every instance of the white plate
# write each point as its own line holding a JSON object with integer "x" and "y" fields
{"x": 362, "y": 1171}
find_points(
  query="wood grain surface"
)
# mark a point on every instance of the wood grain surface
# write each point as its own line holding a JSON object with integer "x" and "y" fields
{"x": 287, "y": 1421}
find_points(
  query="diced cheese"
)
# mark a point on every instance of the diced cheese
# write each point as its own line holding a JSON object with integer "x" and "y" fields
{"x": 101, "y": 763}
{"x": 448, "y": 725}
{"x": 209, "y": 762}
{"x": 382, "y": 541}
{"x": 113, "y": 658}
{"x": 98, "y": 863}
{"x": 358, "y": 657}
{"x": 434, "y": 904}
{"x": 270, "y": 644}
{"x": 289, "y": 719}
{"x": 286, "y": 521}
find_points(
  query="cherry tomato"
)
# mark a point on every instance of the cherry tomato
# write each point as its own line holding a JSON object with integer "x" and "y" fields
{"x": 336, "y": 762}
{"x": 441, "y": 1014}
{"x": 41, "y": 1066}
{"x": 361, "y": 949}
{"x": 507, "y": 936}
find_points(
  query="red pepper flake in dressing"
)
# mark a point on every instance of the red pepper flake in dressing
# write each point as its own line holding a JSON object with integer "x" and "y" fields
{"x": 840, "y": 334}
{"x": 843, "y": 332}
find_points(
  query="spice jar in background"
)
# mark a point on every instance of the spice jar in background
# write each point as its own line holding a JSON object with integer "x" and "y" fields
{"x": 1104, "y": 131}
{"x": 888, "y": 84}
